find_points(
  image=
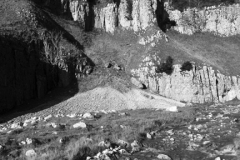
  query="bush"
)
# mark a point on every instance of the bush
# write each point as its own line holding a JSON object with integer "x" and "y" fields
{"x": 186, "y": 66}
{"x": 166, "y": 67}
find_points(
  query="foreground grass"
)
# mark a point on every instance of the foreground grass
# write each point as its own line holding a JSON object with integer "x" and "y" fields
{"x": 69, "y": 143}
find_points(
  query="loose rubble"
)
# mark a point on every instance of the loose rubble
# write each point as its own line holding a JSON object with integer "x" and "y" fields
{"x": 204, "y": 135}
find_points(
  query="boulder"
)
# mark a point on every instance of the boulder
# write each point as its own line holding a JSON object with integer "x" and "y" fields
{"x": 80, "y": 125}
{"x": 137, "y": 83}
{"x": 29, "y": 141}
{"x": 163, "y": 157}
{"x": 47, "y": 117}
{"x": 88, "y": 115}
{"x": 31, "y": 155}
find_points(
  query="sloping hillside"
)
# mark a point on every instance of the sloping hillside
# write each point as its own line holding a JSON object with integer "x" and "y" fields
{"x": 37, "y": 54}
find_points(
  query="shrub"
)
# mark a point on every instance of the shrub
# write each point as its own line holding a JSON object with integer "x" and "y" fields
{"x": 186, "y": 66}
{"x": 166, "y": 67}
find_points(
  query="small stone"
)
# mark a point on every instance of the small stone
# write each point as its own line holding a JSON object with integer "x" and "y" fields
{"x": 105, "y": 143}
{"x": 107, "y": 152}
{"x": 112, "y": 111}
{"x": 170, "y": 132}
{"x": 71, "y": 115}
{"x": 16, "y": 125}
{"x": 29, "y": 141}
{"x": 137, "y": 83}
{"x": 88, "y": 115}
{"x": 206, "y": 142}
{"x": 54, "y": 125}
{"x": 88, "y": 158}
{"x": 123, "y": 143}
{"x": 122, "y": 114}
{"x": 117, "y": 67}
{"x": 149, "y": 136}
{"x": 123, "y": 151}
{"x": 48, "y": 117}
{"x": 103, "y": 111}
{"x": 8, "y": 132}
{"x": 1, "y": 147}
{"x": 23, "y": 143}
{"x": 31, "y": 154}
{"x": 198, "y": 137}
{"x": 123, "y": 127}
{"x": 3, "y": 129}
{"x": 163, "y": 157}
{"x": 34, "y": 120}
{"x": 80, "y": 125}
{"x": 54, "y": 132}
{"x": 172, "y": 109}
{"x": 218, "y": 158}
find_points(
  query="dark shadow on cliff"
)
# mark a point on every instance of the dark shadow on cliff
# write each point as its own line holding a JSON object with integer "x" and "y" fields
{"x": 26, "y": 79}
{"x": 29, "y": 84}
{"x": 162, "y": 16}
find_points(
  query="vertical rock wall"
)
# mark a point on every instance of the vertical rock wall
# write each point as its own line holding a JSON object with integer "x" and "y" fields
{"x": 198, "y": 85}
{"x": 220, "y": 20}
{"x": 135, "y": 15}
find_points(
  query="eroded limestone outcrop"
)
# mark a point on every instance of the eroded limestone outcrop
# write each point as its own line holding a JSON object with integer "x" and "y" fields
{"x": 220, "y": 20}
{"x": 138, "y": 15}
{"x": 135, "y": 15}
{"x": 199, "y": 85}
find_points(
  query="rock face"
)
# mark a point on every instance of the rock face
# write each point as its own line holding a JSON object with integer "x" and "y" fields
{"x": 199, "y": 85}
{"x": 34, "y": 59}
{"x": 138, "y": 15}
{"x": 135, "y": 15}
{"x": 220, "y": 20}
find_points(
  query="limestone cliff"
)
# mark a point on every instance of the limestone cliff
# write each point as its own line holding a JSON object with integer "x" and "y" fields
{"x": 135, "y": 15}
{"x": 199, "y": 85}
{"x": 219, "y": 20}
{"x": 138, "y": 15}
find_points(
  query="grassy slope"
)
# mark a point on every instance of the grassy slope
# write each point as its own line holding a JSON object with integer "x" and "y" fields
{"x": 134, "y": 122}
{"x": 221, "y": 53}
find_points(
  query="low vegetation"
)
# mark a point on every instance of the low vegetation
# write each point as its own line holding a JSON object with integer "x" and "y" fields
{"x": 166, "y": 67}
{"x": 126, "y": 125}
{"x": 186, "y": 66}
